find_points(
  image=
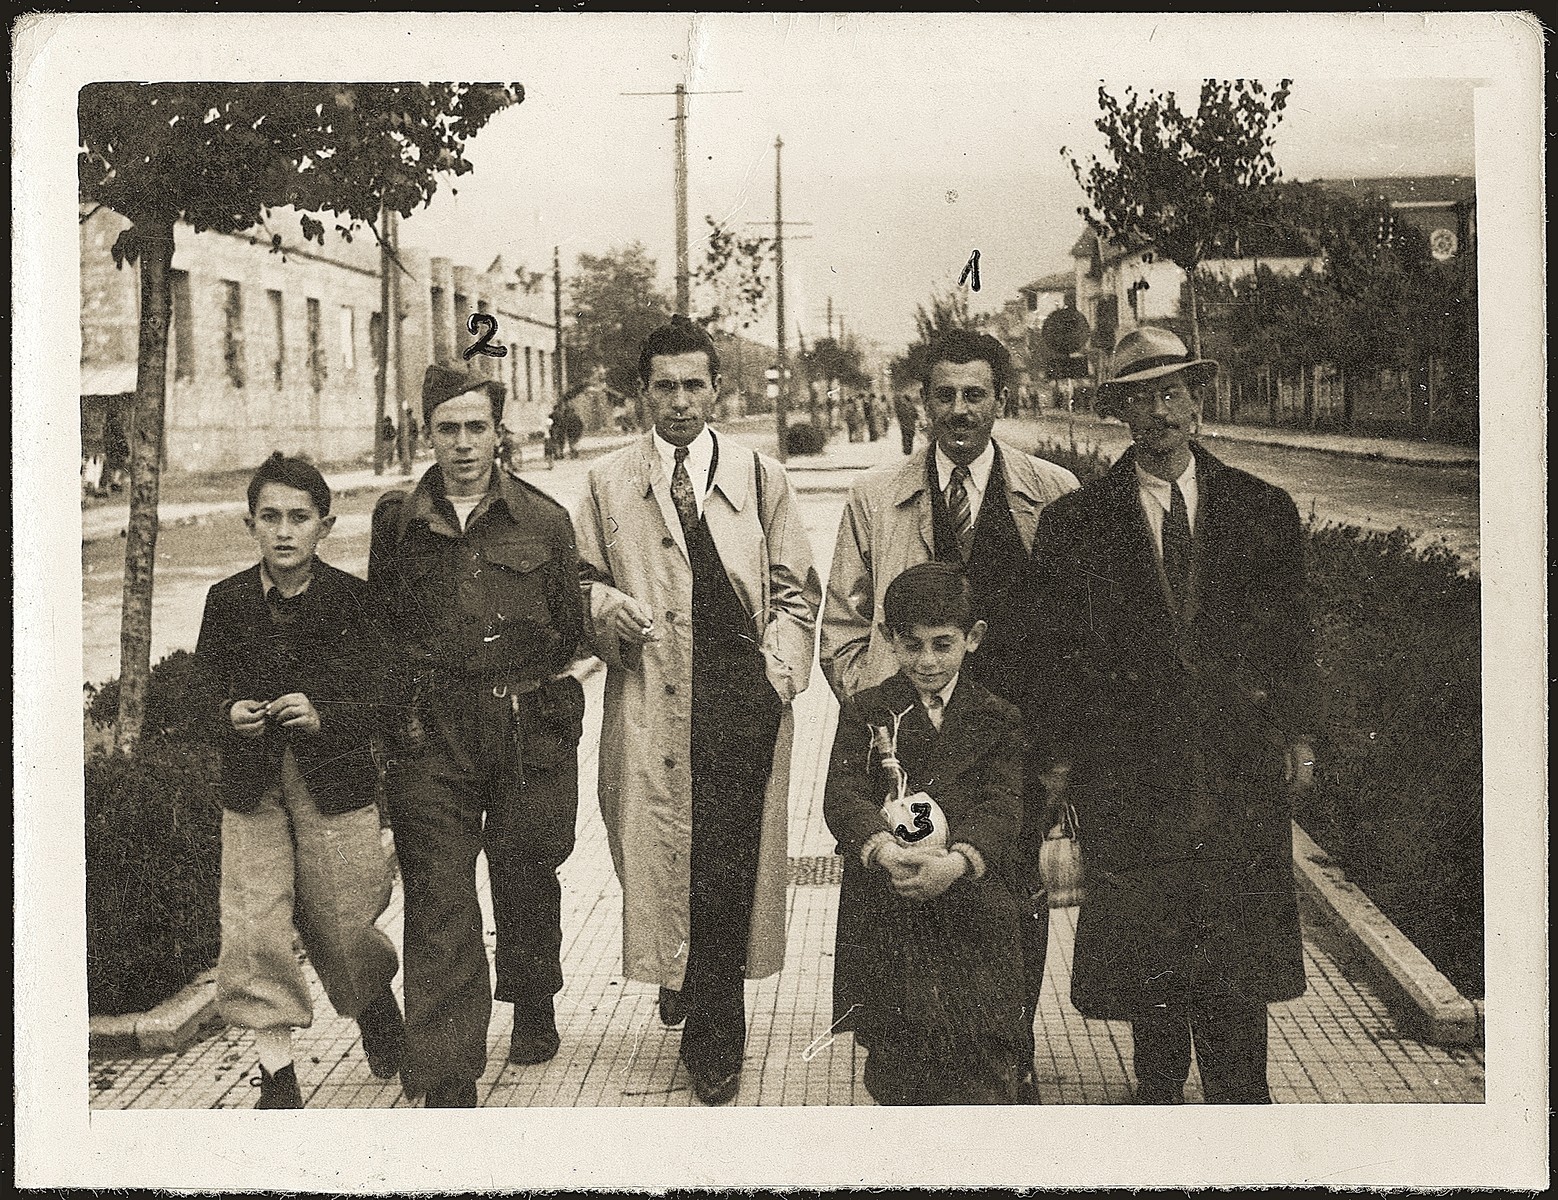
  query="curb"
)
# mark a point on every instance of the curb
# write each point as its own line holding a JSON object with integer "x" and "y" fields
{"x": 1361, "y": 455}
{"x": 175, "y": 1024}
{"x": 1424, "y": 1001}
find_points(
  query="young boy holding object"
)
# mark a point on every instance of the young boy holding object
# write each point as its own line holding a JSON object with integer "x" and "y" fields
{"x": 282, "y": 645}
{"x": 928, "y": 966}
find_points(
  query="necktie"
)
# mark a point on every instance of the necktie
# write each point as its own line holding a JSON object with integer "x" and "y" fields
{"x": 959, "y": 508}
{"x": 1176, "y": 546}
{"x": 284, "y": 608}
{"x": 681, "y": 492}
{"x": 936, "y": 709}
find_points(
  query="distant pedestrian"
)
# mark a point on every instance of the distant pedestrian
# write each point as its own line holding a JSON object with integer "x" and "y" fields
{"x": 870, "y": 415}
{"x": 1181, "y": 695}
{"x": 387, "y": 433}
{"x": 928, "y": 963}
{"x": 854, "y": 417}
{"x": 572, "y": 426}
{"x": 284, "y": 646}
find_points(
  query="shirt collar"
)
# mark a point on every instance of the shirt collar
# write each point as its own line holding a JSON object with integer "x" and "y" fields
{"x": 978, "y": 470}
{"x": 700, "y": 453}
{"x": 266, "y": 582}
{"x": 945, "y": 693}
{"x": 1162, "y": 490}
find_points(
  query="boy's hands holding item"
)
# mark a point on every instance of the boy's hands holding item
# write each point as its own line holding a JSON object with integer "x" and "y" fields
{"x": 295, "y": 711}
{"x": 248, "y": 718}
{"x": 921, "y": 874}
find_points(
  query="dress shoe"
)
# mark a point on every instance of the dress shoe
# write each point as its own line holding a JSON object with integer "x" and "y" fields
{"x": 714, "y": 1089}
{"x": 383, "y": 1035}
{"x": 673, "y": 1009}
{"x": 451, "y": 1093}
{"x": 528, "y": 1047}
{"x": 279, "y": 1090}
{"x": 534, "y": 1039}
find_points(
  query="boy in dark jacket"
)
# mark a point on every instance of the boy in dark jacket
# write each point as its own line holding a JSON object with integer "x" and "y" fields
{"x": 928, "y": 966}
{"x": 282, "y": 646}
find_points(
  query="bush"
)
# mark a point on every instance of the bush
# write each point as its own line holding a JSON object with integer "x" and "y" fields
{"x": 804, "y": 439}
{"x": 1398, "y": 795}
{"x": 153, "y": 852}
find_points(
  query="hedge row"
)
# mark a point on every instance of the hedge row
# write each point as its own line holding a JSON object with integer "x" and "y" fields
{"x": 153, "y": 851}
{"x": 1398, "y": 795}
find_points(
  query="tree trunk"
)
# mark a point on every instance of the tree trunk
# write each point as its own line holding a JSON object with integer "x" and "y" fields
{"x": 146, "y": 440}
{"x": 1195, "y": 313}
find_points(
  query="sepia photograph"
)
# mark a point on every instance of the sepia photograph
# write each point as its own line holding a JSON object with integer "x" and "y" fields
{"x": 779, "y": 564}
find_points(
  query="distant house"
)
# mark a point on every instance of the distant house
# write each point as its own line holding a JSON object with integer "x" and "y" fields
{"x": 1444, "y": 207}
{"x": 281, "y": 350}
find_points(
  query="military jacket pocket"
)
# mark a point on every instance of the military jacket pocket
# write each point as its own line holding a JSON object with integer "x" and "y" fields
{"x": 552, "y": 722}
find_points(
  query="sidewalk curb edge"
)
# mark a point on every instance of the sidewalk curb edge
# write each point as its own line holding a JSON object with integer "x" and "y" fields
{"x": 1427, "y": 1002}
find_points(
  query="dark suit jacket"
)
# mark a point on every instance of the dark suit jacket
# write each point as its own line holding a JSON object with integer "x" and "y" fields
{"x": 939, "y": 978}
{"x": 324, "y": 654}
{"x": 1175, "y": 725}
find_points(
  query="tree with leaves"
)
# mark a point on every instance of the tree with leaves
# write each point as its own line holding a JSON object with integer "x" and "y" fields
{"x": 616, "y": 302}
{"x": 222, "y": 157}
{"x": 1181, "y": 182}
{"x": 945, "y": 310}
{"x": 732, "y": 279}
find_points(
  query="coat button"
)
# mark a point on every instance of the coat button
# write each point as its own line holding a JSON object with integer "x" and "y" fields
{"x": 670, "y": 763}
{"x": 670, "y": 689}
{"x": 668, "y": 541}
{"x": 670, "y": 614}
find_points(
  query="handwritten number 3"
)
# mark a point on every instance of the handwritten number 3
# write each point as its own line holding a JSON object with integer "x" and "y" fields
{"x": 922, "y": 825}
{"x": 483, "y": 327}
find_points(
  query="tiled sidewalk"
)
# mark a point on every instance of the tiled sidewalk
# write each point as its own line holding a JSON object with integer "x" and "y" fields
{"x": 1336, "y": 1044}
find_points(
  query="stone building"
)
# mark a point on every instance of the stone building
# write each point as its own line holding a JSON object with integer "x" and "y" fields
{"x": 281, "y": 350}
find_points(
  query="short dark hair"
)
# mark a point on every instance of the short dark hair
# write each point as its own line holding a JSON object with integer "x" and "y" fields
{"x": 929, "y": 594}
{"x": 293, "y": 473}
{"x": 966, "y": 346}
{"x": 681, "y": 336}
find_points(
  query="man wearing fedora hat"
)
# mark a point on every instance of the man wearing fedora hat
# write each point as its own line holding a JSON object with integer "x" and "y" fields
{"x": 475, "y": 583}
{"x": 1170, "y": 613}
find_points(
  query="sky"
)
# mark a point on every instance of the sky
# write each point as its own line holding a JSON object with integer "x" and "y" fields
{"x": 909, "y": 141}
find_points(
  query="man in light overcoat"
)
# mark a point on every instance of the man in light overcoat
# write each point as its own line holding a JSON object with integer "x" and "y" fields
{"x": 702, "y": 602}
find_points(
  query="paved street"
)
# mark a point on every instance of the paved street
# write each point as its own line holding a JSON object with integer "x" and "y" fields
{"x": 1336, "y": 1044}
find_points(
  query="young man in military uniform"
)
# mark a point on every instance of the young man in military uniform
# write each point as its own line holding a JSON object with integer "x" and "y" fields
{"x": 475, "y": 589}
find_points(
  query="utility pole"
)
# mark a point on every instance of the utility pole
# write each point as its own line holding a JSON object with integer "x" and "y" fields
{"x": 781, "y": 404}
{"x": 394, "y": 329}
{"x": 830, "y": 317}
{"x": 683, "y": 271}
{"x": 386, "y": 267}
{"x": 559, "y": 359}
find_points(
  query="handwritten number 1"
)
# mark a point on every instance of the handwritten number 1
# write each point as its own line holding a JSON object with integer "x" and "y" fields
{"x": 970, "y": 268}
{"x": 484, "y": 327}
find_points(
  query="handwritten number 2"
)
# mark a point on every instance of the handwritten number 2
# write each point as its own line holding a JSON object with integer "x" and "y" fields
{"x": 922, "y": 825}
{"x": 484, "y": 327}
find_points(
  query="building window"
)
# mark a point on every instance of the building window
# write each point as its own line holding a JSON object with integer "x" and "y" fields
{"x": 348, "y": 338}
{"x": 232, "y": 337}
{"x": 183, "y": 326}
{"x": 541, "y": 372}
{"x": 376, "y": 348}
{"x": 278, "y": 363}
{"x": 317, "y": 370}
{"x": 530, "y": 387}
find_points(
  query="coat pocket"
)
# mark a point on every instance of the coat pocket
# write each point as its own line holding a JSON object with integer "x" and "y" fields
{"x": 552, "y": 722}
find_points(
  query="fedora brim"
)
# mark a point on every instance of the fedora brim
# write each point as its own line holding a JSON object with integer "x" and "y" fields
{"x": 1202, "y": 369}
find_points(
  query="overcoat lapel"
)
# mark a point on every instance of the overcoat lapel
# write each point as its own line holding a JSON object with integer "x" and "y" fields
{"x": 657, "y": 484}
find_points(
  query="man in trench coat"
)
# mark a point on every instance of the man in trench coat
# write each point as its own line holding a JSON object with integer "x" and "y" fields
{"x": 1171, "y": 611}
{"x": 702, "y": 603}
{"x": 902, "y": 514}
